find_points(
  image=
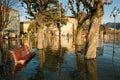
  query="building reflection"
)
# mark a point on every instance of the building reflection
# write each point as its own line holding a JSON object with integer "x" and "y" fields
{"x": 53, "y": 42}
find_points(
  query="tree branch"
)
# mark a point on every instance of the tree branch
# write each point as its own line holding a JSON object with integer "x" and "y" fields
{"x": 87, "y": 4}
{"x": 78, "y": 5}
{"x": 71, "y": 3}
{"x": 108, "y": 3}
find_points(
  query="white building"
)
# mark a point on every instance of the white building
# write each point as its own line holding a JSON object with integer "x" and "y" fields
{"x": 70, "y": 27}
{"x": 24, "y": 26}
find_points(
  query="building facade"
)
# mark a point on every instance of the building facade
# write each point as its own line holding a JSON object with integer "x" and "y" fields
{"x": 24, "y": 26}
{"x": 10, "y": 21}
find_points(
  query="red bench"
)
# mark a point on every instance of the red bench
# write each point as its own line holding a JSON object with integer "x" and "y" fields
{"x": 22, "y": 54}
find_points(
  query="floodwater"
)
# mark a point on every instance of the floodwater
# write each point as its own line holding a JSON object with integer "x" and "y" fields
{"x": 54, "y": 63}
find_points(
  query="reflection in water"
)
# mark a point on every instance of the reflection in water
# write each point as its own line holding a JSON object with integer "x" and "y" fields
{"x": 17, "y": 68}
{"x": 41, "y": 58}
{"x": 50, "y": 59}
{"x": 114, "y": 71}
{"x": 54, "y": 63}
{"x": 53, "y": 58}
{"x": 113, "y": 63}
{"x": 80, "y": 72}
{"x": 91, "y": 69}
{"x": 7, "y": 68}
{"x": 86, "y": 69}
{"x": 50, "y": 64}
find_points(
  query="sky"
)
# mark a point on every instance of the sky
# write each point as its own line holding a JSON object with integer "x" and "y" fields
{"x": 108, "y": 9}
{"x": 106, "y": 18}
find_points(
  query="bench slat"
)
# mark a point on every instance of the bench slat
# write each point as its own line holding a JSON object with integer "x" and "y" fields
{"x": 22, "y": 54}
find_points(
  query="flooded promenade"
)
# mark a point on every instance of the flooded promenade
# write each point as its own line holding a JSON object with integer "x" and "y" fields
{"x": 54, "y": 63}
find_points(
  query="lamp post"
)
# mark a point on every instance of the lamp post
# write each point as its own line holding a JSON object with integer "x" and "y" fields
{"x": 114, "y": 13}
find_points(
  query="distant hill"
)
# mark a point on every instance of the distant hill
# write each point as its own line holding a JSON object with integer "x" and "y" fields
{"x": 112, "y": 25}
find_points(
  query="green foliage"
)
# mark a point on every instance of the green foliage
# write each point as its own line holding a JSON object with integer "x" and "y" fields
{"x": 45, "y": 12}
{"x": 83, "y": 10}
{"x": 31, "y": 27}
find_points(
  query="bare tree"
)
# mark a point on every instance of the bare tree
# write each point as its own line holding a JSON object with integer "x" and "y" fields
{"x": 5, "y": 8}
{"x": 94, "y": 11}
{"x": 5, "y": 20}
{"x": 82, "y": 20}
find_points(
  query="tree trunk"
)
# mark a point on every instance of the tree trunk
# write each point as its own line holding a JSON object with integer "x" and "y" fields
{"x": 40, "y": 38}
{"x": 92, "y": 41}
{"x": 78, "y": 40}
{"x": 79, "y": 43}
{"x": 59, "y": 37}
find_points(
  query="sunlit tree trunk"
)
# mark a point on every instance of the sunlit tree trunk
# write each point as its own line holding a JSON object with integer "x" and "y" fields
{"x": 94, "y": 11}
{"x": 40, "y": 38}
{"x": 92, "y": 41}
{"x": 78, "y": 40}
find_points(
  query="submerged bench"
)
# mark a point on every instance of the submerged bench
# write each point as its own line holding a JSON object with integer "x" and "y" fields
{"x": 22, "y": 54}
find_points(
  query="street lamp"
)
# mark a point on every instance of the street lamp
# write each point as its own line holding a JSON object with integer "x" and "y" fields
{"x": 114, "y": 13}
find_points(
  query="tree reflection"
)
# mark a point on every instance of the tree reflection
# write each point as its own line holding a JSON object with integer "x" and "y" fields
{"x": 6, "y": 63}
{"x": 80, "y": 72}
{"x": 7, "y": 67}
{"x": 50, "y": 60}
{"x": 53, "y": 58}
{"x": 41, "y": 56}
{"x": 85, "y": 68}
{"x": 91, "y": 69}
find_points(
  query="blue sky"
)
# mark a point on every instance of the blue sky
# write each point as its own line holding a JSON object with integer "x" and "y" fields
{"x": 107, "y": 8}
